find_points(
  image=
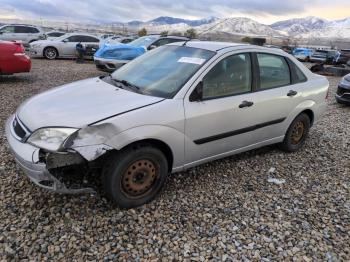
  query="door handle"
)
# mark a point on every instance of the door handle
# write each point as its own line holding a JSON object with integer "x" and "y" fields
{"x": 292, "y": 93}
{"x": 246, "y": 104}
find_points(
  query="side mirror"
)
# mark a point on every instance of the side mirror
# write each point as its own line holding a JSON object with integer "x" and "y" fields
{"x": 1, "y": 33}
{"x": 151, "y": 47}
{"x": 65, "y": 40}
{"x": 197, "y": 94}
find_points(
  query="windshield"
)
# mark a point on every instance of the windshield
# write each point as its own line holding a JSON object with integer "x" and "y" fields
{"x": 163, "y": 71}
{"x": 144, "y": 41}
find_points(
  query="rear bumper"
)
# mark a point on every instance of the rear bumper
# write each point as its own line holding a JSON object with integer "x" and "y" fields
{"x": 27, "y": 157}
{"x": 108, "y": 65}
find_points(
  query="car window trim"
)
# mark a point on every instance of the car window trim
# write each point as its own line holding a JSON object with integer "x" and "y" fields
{"x": 253, "y": 80}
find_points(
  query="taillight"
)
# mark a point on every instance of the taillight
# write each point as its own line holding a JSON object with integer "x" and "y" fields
{"x": 19, "y": 48}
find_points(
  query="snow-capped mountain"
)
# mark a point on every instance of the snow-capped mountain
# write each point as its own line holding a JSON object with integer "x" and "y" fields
{"x": 314, "y": 27}
{"x": 238, "y": 25}
{"x": 166, "y": 20}
{"x": 300, "y": 25}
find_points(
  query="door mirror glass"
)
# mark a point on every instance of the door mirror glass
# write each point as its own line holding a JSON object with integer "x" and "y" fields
{"x": 197, "y": 94}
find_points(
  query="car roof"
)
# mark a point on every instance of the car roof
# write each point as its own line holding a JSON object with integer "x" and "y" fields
{"x": 85, "y": 34}
{"x": 215, "y": 46}
{"x": 176, "y": 37}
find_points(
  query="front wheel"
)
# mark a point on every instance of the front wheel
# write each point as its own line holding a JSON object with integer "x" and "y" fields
{"x": 296, "y": 134}
{"x": 50, "y": 53}
{"x": 134, "y": 176}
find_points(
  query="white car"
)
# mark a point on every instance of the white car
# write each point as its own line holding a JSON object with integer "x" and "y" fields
{"x": 23, "y": 33}
{"x": 117, "y": 39}
{"x": 63, "y": 47}
{"x": 173, "y": 108}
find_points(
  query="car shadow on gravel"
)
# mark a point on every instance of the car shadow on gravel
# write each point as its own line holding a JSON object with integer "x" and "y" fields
{"x": 14, "y": 79}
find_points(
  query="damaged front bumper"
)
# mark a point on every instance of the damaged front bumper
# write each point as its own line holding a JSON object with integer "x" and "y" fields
{"x": 27, "y": 157}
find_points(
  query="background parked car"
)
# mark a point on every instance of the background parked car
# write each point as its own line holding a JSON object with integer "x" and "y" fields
{"x": 117, "y": 39}
{"x": 24, "y": 33}
{"x": 343, "y": 57}
{"x": 64, "y": 46}
{"x": 13, "y": 58}
{"x": 110, "y": 57}
{"x": 343, "y": 92}
{"x": 324, "y": 56}
{"x": 303, "y": 54}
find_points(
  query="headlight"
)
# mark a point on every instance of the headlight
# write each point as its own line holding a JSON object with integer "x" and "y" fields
{"x": 33, "y": 45}
{"x": 50, "y": 139}
{"x": 345, "y": 82}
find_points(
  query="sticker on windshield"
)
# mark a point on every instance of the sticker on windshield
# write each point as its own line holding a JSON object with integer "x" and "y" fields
{"x": 191, "y": 60}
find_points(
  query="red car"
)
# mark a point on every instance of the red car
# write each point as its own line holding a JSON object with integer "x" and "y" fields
{"x": 13, "y": 58}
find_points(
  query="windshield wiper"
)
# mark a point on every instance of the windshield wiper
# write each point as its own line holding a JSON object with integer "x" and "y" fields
{"x": 127, "y": 84}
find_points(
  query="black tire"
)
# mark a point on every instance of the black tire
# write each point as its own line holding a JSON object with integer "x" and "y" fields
{"x": 296, "y": 133}
{"x": 50, "y": 53}
{"x": 134, "y": 176}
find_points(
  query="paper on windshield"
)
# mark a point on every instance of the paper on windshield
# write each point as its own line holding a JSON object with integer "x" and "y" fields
{"x": 191, "y": 60}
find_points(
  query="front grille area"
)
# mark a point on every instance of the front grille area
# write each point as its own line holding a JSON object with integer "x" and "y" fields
{"x": 341, "y": 91}
{"x": 19, "y": 131}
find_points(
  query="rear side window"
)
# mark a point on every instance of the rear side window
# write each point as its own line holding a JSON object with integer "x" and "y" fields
{"x": 274, "y": 71}
{"x": 25, "y": 30}
{"x": 231, "y": 76}
{"x": 297, "y": 75}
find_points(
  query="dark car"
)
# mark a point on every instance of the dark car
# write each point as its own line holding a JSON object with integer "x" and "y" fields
{"x": 343, "y": 57}
{"x": 324, "y": 56}
{"x": 343, "y": 93}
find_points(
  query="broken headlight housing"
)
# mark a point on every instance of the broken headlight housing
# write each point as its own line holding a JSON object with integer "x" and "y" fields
{"x": 51, "y": 138}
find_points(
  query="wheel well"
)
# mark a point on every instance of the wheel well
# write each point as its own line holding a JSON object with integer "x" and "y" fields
{"x": 310, "y": 114}
{"x": 50, "y": 47}
{"x": 166, "y": 150}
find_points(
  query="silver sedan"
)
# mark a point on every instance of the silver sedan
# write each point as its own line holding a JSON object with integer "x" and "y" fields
{"x": 174, "y": 108}
{"x": 63, "y": 47}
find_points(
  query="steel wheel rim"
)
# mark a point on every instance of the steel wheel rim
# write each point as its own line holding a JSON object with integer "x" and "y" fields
{"x": 298, "y": 132}
{"x": 50, "y": 53}
{"x": 139, "y": 178}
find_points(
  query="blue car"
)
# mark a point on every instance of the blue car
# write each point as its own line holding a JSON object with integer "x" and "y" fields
{"x": 112, "y": 56}
{"x": 303, "y": 54}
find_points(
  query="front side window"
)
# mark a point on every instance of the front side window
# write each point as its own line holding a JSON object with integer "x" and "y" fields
{"x": 8, "y": 29}
{"x": 231, "y": 76}
{"x": 274, "y": 71}
{"x": 144, "y": 41}
{"x": 163, "y": 71}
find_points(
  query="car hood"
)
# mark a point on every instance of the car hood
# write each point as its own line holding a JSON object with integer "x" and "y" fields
{"x": 79, "y": 104}
{"x": 119, "y": 51}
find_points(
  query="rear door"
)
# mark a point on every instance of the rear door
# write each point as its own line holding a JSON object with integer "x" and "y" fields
{"x": 23, "y": 33}
{"x": 223, "y": 120}
{"x": 278, "y": 93}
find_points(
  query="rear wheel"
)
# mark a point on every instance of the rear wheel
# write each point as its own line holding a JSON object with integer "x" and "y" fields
{"x": 50, "y": 53}
{"x": 296, "y": 134}
{"x": 134, "y": 176}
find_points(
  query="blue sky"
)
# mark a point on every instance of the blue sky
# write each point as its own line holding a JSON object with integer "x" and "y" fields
{"x": 266, "y": 11}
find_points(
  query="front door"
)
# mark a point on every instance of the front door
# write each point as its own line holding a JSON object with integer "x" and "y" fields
{"x": 223, "y": 120}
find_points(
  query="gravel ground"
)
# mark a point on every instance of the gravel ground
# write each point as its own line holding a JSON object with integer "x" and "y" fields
{"x": 226, "y": 210}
